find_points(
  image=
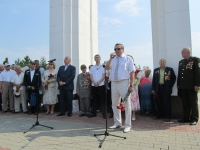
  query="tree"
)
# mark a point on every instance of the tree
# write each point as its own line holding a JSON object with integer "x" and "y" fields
{"x": 24, "y": 62}
{"x": 18, "y": 62}
{"x": 5, "y": 61}
{"x": 43, "y": 62}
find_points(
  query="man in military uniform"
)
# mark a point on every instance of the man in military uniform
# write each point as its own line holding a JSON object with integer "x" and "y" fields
{"x": 188, "y": 85}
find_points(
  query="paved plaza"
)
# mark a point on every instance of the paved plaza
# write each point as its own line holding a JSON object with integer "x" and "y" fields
{"x": 74, "y": 133}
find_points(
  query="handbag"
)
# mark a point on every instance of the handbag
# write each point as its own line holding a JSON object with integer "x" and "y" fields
{"x": 33, "y": 100}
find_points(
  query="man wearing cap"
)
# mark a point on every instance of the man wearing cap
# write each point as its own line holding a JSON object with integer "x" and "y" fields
{"x": 1, "y": 69}
{"x": 19, "y": 90}
{"x": 83, "y": 88}
{"x": 6, "y": 88}
{"x": 32, "y": 82}
{"x": 65, "y": 79}
{"x": 41, "y": 89}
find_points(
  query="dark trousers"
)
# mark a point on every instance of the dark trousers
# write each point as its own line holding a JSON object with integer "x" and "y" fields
{"x": 109, "y": 100}
{"x": 0, "y": 101}
{"x": 98, "y": 91}
{"x": 33, "y": 109}
{"x": 66, "y": 97}
{"x": 163, "y": 103}
{"x": 190, "y": 104}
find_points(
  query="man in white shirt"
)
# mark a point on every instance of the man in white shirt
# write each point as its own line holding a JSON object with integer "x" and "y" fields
{"x": 1, "y": 69}
{"x": 97, "y": 76}
{"x": 6, "y": 88}
{"x": 19, "y": 90}
{"x": 122, "y": 77}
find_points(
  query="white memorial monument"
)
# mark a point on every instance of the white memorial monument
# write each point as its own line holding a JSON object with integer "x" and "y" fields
{"x": 73, "y": 31}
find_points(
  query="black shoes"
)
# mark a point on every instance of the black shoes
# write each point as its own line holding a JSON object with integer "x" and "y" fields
{"x": 60, "y": 114}
{"x": 69, "y": 115}
{"x": 91, "y": 115}
{"x": 193, "y": 123}
{"x": 183, "y": 121}
{"x": 81, "y": 115}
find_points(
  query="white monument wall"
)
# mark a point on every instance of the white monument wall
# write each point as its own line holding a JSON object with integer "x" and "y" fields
{"x": 73, "y": 31}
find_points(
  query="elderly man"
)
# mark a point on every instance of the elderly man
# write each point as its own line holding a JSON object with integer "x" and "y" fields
{"x": 188, "y": 84}
{"x": 65, "y": 79}
{"x": 19, "y": 90}
{"x": 6, "y": 88}
{"x": 163, "y": 81}
{"x": 122, "y": 75}
{"x": 1, "y": 69}
{"x": 97, "y": 76}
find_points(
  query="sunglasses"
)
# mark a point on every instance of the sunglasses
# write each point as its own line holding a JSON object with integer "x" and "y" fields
{"x": 117, "y": 49}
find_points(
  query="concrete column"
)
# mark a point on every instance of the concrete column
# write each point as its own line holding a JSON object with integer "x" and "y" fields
{"x": 73, "y": 31}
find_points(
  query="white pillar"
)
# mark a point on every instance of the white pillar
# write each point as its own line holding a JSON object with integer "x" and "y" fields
{"x": 170, "y": 31}
{"x": 73, "y": 31}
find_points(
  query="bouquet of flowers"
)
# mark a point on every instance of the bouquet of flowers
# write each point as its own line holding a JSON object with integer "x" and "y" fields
{"x": 49, "y": 77}
{"x": 121, "y": 105}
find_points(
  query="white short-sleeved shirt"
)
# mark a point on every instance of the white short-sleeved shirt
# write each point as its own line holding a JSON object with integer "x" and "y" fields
{"x": 126, "y": 66}
{"x": 97, "y": 72}
{"x": 7, "y": 75}
{"x": 18, "y": 79}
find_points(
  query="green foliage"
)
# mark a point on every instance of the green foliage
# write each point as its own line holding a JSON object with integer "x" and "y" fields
{"x": 43, "y": 62}
{"x": 26, "y": 62}
{"x": 5, "y": 61}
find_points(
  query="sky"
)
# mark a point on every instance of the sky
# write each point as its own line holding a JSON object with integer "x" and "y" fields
{"x": 24, "y": 29}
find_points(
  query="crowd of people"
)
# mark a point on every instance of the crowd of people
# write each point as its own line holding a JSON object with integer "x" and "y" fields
{"x": 113, "y": 81}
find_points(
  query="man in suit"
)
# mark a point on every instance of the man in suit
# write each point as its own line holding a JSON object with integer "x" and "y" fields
{"x": 188, "y": 84}
{"x": 65, "y": 79}
{"x": 32, "y": 82}
{"x": 163, "y": 81}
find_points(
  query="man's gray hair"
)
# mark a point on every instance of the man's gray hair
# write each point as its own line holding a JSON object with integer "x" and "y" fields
{"x": 187, "y": 49}
{"x": 162, "y": 59}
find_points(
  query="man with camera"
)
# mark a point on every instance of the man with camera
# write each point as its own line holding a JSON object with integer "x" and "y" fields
{"x": 122, "y": 77}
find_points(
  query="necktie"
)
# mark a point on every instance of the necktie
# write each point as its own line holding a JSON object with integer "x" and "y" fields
{"x": 116, "y": 69}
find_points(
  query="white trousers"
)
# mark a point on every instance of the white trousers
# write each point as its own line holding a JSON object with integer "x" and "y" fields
{"x": 119, "y": 90}
{"x": 21, "y": 99}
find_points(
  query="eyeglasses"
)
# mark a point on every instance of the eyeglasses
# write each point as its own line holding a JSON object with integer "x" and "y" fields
{"x": 117, "y": 49}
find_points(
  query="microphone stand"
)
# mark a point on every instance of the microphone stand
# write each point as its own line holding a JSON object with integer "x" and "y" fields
{"x": 106, "y": 133}
{"x": 37, "y": 106}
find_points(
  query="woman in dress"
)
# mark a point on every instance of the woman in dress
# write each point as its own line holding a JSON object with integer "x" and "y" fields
{"x": 50, "y": 95}
{"x": 145, "y": 93}
{"x": 135, "y": 104}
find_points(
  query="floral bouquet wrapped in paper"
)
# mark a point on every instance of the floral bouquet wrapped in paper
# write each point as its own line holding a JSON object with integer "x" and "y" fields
{"x": 49, "y": 78}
